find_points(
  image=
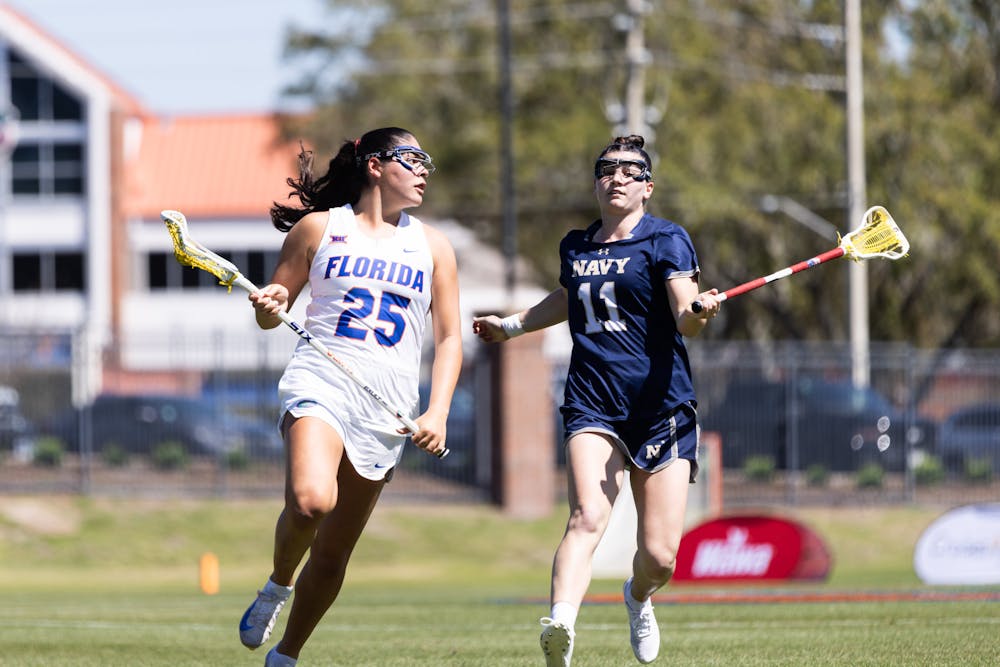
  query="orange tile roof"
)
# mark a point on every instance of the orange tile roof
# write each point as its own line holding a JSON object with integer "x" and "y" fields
{"x": 210, "y": 166}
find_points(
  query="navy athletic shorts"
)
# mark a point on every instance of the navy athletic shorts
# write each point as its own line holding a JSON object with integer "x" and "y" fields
{"x": 650, "y": 444}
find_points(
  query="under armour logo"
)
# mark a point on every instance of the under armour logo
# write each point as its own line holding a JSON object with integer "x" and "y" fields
{"x": 604, "y": 251}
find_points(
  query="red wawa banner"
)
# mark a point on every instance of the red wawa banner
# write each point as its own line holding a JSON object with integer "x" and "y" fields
{"x": 749, "y": 548}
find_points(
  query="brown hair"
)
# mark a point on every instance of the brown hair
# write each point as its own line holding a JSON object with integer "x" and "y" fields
{"x": 633, "y": 143}
{"x": 345, "y": 177}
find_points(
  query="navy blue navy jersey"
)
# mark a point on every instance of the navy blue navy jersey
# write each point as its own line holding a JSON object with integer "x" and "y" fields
{"x": 628, "y": 360}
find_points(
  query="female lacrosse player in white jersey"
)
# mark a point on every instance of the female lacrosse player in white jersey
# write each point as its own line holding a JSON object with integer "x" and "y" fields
{"x": 628, "y": 282}
{"x": 374, "y": 273}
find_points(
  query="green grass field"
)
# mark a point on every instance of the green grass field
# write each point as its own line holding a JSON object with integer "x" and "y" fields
{"x": 102, "y": 582}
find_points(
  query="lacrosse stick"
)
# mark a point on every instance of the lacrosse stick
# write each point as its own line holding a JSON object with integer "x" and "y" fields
{"x": 878, "y": 236}
{"x": 189, "y": 252}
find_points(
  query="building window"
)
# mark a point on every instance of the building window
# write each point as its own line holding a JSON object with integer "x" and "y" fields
{"x": 47, "y": 168}
{"x": 163, "y": 272}
{"x": 53, "y": 161}
{"x": 157, "y": 270}
{"x": 70, "y": 271}
{"x": 49, "y": 271}
{"x": 67, "y": 169}
{"x": 38, "y": 97}
{"x": 27, "y": 272}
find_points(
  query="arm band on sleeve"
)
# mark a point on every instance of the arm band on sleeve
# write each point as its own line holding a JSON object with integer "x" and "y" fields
{"x": 512, "y": 325}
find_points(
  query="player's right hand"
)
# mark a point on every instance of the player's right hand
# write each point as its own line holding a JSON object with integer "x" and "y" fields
{"x": 269, "y": 300}
{"x": 488, "y": 329}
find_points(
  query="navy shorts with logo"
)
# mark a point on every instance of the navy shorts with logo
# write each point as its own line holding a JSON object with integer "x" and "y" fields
{"x": 650, "y": 444}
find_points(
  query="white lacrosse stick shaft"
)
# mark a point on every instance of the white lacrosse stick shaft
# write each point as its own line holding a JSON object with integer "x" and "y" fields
{"x": 191, "y": 253}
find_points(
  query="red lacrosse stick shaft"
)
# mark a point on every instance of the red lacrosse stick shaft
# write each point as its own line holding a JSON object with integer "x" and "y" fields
{"x": 783, "y": 273}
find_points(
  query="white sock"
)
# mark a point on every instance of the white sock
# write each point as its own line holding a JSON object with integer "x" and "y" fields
{"x": 278, "y": 589}
{"x": 564, "y": 613}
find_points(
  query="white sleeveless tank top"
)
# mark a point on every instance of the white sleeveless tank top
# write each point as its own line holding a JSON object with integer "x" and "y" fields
{"x": 370, "y": 301}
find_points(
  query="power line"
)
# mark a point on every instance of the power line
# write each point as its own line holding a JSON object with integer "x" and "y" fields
{"x": 741, "y": 71}
{"x": 483, "y": 16}
{"x": 487, "y": 63}
{"x": 780, "y": 26}
{"x": 592, "y": 60}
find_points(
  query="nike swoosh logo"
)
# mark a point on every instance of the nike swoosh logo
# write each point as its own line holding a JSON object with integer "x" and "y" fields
{"x": 244, "y": 626}
{"x": 410, "y": 249}
{"x": 379, "y": 465}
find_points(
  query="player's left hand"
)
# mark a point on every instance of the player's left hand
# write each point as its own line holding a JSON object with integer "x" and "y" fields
{"x": 710, "y": 305}
{"x": 432, "y": 433}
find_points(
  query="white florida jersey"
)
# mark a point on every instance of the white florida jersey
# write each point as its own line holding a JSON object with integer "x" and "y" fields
{"x": 370, "y": 301}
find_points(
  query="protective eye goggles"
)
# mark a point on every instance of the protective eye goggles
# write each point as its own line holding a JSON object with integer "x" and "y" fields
{"x": 631, "y": 169}
{"x": 410, "y": 157}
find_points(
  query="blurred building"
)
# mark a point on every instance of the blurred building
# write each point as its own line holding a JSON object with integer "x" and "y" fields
{"x": 85, "y": 172}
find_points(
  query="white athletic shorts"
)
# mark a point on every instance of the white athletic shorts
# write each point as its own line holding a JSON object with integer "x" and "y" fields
{"x": 371, "y": 442}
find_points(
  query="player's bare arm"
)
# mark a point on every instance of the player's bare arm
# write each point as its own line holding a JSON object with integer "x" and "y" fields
{"x": 682, "y": 293}
{"x": 446, "y": 323}
{"x": 549, "y": 311}
{"x": 292, "y": 271}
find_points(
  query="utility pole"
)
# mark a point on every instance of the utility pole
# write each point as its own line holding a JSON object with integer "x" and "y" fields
{"x": 507, "y": 202}
{"x": 631, "y": 115}
{"x": 636, "y": 60}
{"x": 857, "y": 195}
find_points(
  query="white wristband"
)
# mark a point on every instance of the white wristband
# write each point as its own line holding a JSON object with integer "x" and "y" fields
{"x": 512, "y": 325}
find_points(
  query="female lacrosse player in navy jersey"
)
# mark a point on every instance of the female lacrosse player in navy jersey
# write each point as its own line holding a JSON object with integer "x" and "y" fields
{"x": 628, "y": 282}
{"x": 374, "y": 273}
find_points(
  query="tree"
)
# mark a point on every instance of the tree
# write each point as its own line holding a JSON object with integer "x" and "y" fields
{"x": 927, "y": 135}
{"x": 753, "y": 104}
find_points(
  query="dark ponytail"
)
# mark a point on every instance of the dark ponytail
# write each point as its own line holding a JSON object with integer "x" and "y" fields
{"x": 344, "y": 180}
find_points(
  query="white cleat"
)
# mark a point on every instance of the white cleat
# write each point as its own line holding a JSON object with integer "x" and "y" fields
{"x": 557, "y": 643}
{"x": 644, "y": 633}
{"x": 259, "y": 619}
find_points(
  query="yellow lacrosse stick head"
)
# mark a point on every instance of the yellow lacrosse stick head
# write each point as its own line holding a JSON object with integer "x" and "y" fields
{"x": 189, "y": 252}
{"x": 878, "y": 236}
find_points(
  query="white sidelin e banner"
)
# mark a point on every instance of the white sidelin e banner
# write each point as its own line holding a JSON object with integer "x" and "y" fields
{"x": 961, "y": 547}
{"x": 613, "y": 557}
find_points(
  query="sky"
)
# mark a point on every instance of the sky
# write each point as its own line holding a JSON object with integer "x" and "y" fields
{"x": 182, "y": 56}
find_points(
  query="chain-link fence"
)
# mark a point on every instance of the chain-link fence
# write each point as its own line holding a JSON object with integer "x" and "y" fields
{"x": 197, "y": 417}
{"x": 188, "y": 418}
{"x": 808, "y": 423}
